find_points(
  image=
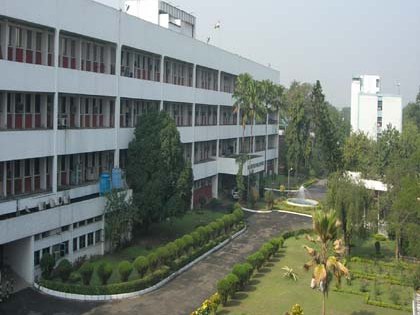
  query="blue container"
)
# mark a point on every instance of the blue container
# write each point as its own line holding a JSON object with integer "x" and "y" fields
{"x": 104, "y": 184}
{"x": 116, "y": 178}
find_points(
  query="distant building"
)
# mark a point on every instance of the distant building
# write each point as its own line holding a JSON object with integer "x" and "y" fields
{"x": 163, "y": 14}
{"x": 371, "y": 110}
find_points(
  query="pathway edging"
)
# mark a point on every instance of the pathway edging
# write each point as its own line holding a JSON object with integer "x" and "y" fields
{"x": 81, "y": 297}
{"x": 281, "y": 211}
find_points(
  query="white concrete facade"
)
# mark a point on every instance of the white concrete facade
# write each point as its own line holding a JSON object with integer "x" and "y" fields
{"x": 75, "y": 77}
{"x": 371, "y": 110}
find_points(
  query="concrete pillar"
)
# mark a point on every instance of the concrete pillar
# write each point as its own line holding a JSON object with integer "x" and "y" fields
{"x": 4, "y": 179}
{"x": 215, "y": 186}
{"x": 219, "y": 74}
{"x": 5, "y": 39}
{"x": 78, "y": 54}
{"x": 43, "y": 171}
{"x": 55, "y": 111}
{"x": 44, "y": 111}
{"x": 44, "y": 48}
{"x": 3, "y": 104}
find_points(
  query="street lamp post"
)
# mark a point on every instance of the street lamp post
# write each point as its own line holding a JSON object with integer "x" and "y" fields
{"x": 288, "y": 178}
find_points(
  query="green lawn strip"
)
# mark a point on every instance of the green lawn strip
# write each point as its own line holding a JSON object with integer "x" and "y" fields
{"x": 270, "y": 293}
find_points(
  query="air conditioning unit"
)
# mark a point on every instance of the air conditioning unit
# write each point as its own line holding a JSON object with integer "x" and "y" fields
{"x": 66, "y": 199}
{"x": 41, "y": 205}
{"x": 52, "y": 203}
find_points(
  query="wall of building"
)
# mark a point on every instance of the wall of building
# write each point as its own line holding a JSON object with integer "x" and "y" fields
{"x": 392, "y": 112}
{"x": 368, "y": 114}
{"x": 19, "y": 255}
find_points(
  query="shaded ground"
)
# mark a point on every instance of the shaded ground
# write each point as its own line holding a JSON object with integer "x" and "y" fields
{"x": 182, "y": 295}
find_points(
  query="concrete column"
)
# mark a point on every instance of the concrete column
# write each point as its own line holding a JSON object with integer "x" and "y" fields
{"x": 55, "y": 111}
{"x": 44, "y": 48}
{"x": 43, "y": 171}
{"x": 194, "y": 76}
{"x": 215, "y": 186}
{"x": 117, "y": 109}
{"x": 5, "y": 39}
{"x": 4, "y": 180}
{"x": 219, "y": 74}
{"x": 78, "y": 54}
{"x": 44, "y": 110}
{"x": 3, "y": 104}
{"x": 162, "y": 68}
{"x": 78, "y": 109}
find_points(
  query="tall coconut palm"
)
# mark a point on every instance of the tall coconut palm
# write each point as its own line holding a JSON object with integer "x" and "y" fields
{"x": 271, "y": 96}
{"x": 325, "y": 225}
{"x": 246, "y": 104}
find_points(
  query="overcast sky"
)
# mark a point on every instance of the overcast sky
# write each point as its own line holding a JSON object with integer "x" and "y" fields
{"x": 329, "y": 40}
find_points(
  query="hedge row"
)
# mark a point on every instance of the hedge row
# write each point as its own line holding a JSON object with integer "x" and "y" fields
{"x": 242, "y": 273}
{"x": 389, "y": 279}
{"x": 373, "y": 302}
{"x": 255, "y": 260}
{"x": 154, "y": 267}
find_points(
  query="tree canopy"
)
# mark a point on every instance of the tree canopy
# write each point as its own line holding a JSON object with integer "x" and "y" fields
{"x": 158, "y": 174}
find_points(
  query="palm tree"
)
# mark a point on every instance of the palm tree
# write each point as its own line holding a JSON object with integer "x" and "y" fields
{"x": 247, "y": 104}
{"x": 325, "y": 225}
{"x": 271, "y": 96}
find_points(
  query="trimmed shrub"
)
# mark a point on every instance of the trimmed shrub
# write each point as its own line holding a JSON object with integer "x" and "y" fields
{"x": 86, "y": 272}
{"x": 171, "y": 251}
{"x": 256, "y": 260}
{"x": 141, "y": 264}
{"x": 104, "y": 272}
{"x": 377, "y": 248}
{"x": 267, "y": 250}
{"x": 223, "y": 290}
{"x": 47, "y": 265}
{"x": 233, "y": 282}
{"x": 189, "y": 242}
{"x": 238, "y": 212}
{"x": 269, "y": 199}
{"x": 64, "y": 270}
{"x": 161, "y": 254}
{"x": 243, "y": 272}
{"x": 180, "y": 246}
{"x": 196, "y": 238}
{"x": 74, "y": 277}
{"x": 124, "y": 269}
{"x": 153, "y": 261}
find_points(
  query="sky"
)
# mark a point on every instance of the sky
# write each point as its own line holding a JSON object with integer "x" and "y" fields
{"x": 326, "y": 40}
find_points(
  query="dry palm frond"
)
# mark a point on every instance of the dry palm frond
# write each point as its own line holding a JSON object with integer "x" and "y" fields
{"x": 320, "y": 274}
{"x": 339, "y": 247}
{"x": 312, "y": 252}
{"x": 310, "y": 238}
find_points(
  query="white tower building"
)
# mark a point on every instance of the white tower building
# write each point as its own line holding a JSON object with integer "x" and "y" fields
{"x": 371, "y": 110}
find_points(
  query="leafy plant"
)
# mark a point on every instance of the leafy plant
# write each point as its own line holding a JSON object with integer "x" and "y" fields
{"x": 47, "y": 265}
{"x": 86, "y": 271}
{"x": 64, "y": 270}
{"x": 124, "y": 269}
{"x": 104, "y": 272}
{"x": 289, "y": 273}
{"x": 141, "y": 264}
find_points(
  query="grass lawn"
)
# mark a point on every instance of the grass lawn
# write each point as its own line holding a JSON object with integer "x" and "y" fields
{"x": 271, "y": 294}
{"x": 159, "y": 234}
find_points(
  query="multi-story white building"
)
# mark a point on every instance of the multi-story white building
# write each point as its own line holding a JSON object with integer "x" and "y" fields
{"x": 371, "y": 110}
{"x": 74, "y": 78}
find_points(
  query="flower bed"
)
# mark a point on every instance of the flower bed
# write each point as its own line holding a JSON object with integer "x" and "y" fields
{"x": 157, "y": 265}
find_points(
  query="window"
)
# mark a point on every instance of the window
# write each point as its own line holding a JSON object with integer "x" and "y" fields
{"x": 98, "y": 218}
{"x": 75, "y": 244}
{"x": 90, "y": 239}
{"x": 89, "y": 221}
{"x": 37, "y": 257}
{"x": 45, "y": 250}
{"x": 82, "y": 223}
{"x": 98, "y": 236}
{"x": 82, "y": 241}
{"x": 65, "y": 228}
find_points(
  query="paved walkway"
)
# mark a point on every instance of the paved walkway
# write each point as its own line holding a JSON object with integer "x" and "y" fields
{"x": 181, "y": 295}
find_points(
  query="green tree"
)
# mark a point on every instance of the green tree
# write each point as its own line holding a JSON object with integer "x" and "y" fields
{"x": 158, "y": 174}
{"x": 405, "y": 208}
{"x": 324, "y": 265}
{"x": 118, "y": 218}
{"x": 358, "y": 154}
{"x": 298, "y": 140}
{"x": 352, "y": 202}
{"x": 411, "y": 113}
{"x": 326, "y": 132}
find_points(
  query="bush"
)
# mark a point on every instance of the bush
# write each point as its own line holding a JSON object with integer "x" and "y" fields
{"x": 416, "y": 279}
{"x": 153, "y": 261}
{"x": 243, "y": 272}
{"x": 395, "y": 297}
{"x": 161, "y": 254}
{"x": 64, "y": 270}
{"x": 86, "y": 272}
{"x": 189, "y": 242}
{"x": 104, "y": 272}
{"x": 379, "y": 237}
{"x": 267, "y": 250}
{"x": 238, "y": 212}
{"x": 223, "y": 290}
{"x": 256, "y": 260}
{"x": 141, "y": 264}
{"x": 269, "y": 199}
{"x": 124, "y": 269}
{"x": 214, "y": 303}
{"x": 196, "y": 238}
{"x": 377, "y": 248}
{"x": 74, "y": 277}
{"x": 277, "y": 244}
{"x": 47, "y": 265}
{"x": 233, "y": 282}
{"x": 180, "y": 246}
